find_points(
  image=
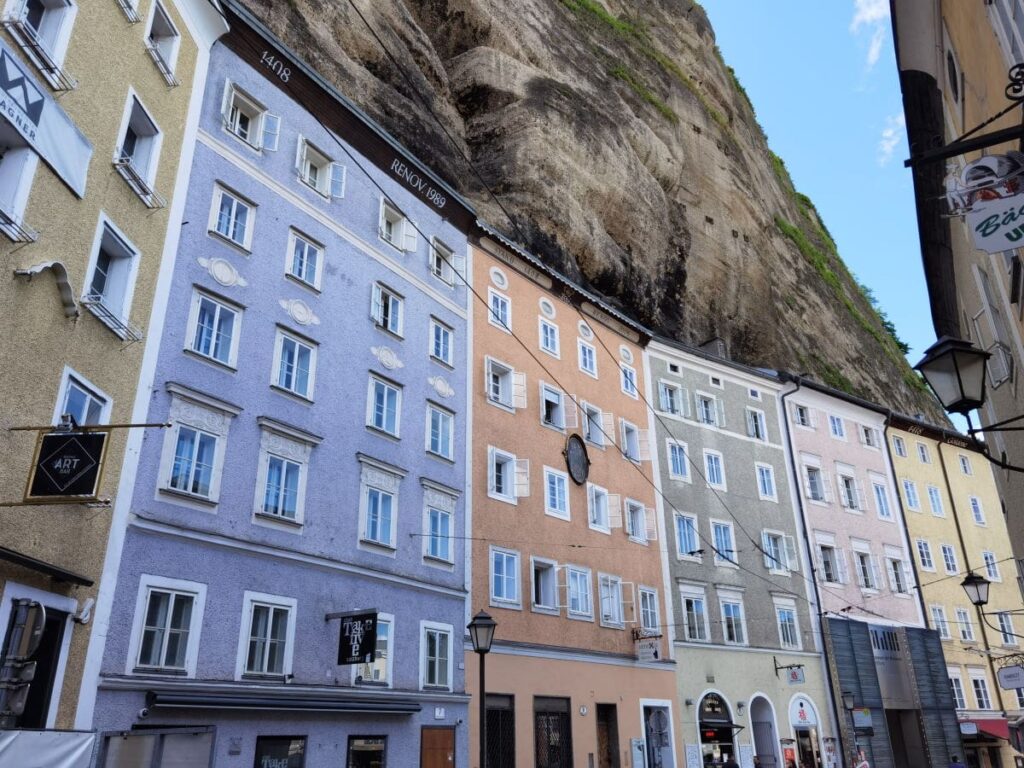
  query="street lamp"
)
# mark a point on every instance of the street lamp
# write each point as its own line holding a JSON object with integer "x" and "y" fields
{"x": 848, "y": 701}
{"x": 976, "y": 588}
{"x": 481, "y": 632}
{"x": 955, "y": 370}
{"x": 848, "y": 706}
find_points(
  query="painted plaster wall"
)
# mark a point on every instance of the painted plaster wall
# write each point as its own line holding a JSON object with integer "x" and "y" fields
{"x": 830, "y": 518}
{"x": 39, "y": 341}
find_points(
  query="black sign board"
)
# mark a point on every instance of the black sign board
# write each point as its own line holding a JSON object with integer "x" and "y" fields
{"x": 358, "y": 641}
{"x": 67, "y": 465}
{"x": 280, "y": 752}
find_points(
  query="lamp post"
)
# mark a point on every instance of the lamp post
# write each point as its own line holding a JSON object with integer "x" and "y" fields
{"x": 848, "y": 704}
{"x": 481, "y": 632}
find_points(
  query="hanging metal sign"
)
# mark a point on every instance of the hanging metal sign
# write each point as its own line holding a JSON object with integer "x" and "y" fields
{"x": 989, "y": 192}
{"x": 1010, "y": 677}
{"x": 357, "y": 643}
{"x": 67, "y": 467}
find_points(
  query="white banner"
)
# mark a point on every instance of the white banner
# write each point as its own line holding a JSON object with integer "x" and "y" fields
{"x": 46, "y": 749}
{"x": 42, "y": 123}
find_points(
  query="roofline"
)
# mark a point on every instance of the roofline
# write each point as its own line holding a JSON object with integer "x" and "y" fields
{"x": 935, "y": 432}
{"x": 800, "y": 381}
{"x": 682, "y": 346}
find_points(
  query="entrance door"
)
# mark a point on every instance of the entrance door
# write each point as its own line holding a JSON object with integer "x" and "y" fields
{"x": 607, "y": 736}
{"x": 807, "y": 747}
{"x": 658, "y": 736}
{"x": 437, "y": 747}
{"x": 552, "y": 731}
{"x": 762, "y": 723}
{"x": 46, "y": 658}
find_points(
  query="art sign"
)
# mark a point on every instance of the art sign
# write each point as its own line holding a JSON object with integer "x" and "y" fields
{"x": 67, "y": 466}
{"x": 989, "y": 193}
{"x": 358, "y": 641}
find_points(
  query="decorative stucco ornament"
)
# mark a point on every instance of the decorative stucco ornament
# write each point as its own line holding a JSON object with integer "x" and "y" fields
{"x": 223, "y": 271}
{"x": 387, "y": 357}
{"x": 442, "y": 387}
{"x": 299, "y": 311}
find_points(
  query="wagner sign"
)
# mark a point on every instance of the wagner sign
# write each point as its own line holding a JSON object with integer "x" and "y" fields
{"x": 67, "y": 466}
{"x": 42, "y": 123}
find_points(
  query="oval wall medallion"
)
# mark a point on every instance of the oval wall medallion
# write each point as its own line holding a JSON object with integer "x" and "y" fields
{"x": 626, "y": 353}
{"x": 223, "y": 271}
{"x": 547, "y": 309}
{"x": 442, "y": 387}
{"x": 498, "y": 278}
{"x": 387, "y": 357}
{"x": 300, "y": 311}
{"x": 585, "y": 331}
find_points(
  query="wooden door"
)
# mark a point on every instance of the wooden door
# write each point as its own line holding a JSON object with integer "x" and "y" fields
{"x": 437, "y": 747}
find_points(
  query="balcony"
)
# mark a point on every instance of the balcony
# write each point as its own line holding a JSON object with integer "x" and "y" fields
{"x": 139, "y": 185}
{"x": 15, "y": 231}
{"x": 161, "y": 64}
{"x": 25, "y": 35}
{"x": 123, "y": 328}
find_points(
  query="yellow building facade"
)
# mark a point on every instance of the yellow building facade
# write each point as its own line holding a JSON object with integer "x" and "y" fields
{"x": 956, "y": 526}
{"x": 98, "y": 115}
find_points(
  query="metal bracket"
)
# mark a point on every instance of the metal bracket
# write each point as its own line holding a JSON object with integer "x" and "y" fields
{"x": 778, "y": 666}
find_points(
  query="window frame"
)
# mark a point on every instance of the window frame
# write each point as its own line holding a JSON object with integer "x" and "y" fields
{"x": 431, "y": 409}
{"x": 671, "y": 392}
{"x": 924, "y": 547}
{"x": 442, "y": 629}
{"x": 198, "y": 295}
{"x": 494, "y": 455}
{"x": 671, "y": 443}
{"x": 680, "y": 554}
{"x": 593, "y": 491}
{"x": 294, "y": 236}
{"x": 756, "y": 422}
{"x": 549, "y": 566}
{"x": 780, "y": 606}
{"x": 617, "y": 620}
{"x": 713, "y": 454}
{"x": 963, "y": 621}
{"x": 260, "y": 120}
{"x": 759, "y": 468}
{"x": 357, "y": 679}
{"x": 387, "y": 309}
{"x": 899, "y": 446}
{"x": 977, "y": 510}
{"x": 148, "y": 171}
{"x": 584, "y": 577}
{"x": 127, "y": 260}
{"x": 736, "y": 600}
{"x": 376, "y": 379}
{"x": 910, "y": 495}
{"x": 991, "y": 563}
{"x": 581, "y": 344}
{"x": 250, "y": 599}
{"x": 70, "y": 377}
{"x": 447, "y": 510}
{"x": 562, "y": 479}
{"x": 300, "y": 342}
{"x": 551, "y": 393}
{"x": 628, "y": 381}
{"x": 492, "y": 318}
{"x": 718, "y": 559}
{"x": 700, "y": 631}
{"x": 939, "y": 621}
{"x": 220, "y": 191}
{"x": 508, "y": 555}
{"x": 648, "y": 599}
{"x": 147, "y": 583}
{"x": 436, "y": 254}
{"x": 923, "y": 454}
{"x": 436, "y": 324}
{"x": 627, "y": 429}
{"x": 545, "y": 324}
{"x": 836, "y": 427}
{"x": 169, "y": 58}
{"x": 391, "y": 214}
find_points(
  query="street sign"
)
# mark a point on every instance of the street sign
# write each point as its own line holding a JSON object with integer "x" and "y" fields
{"x": 1010, "y": 677}
{"x": 358, "y": 641}
{"x": 862, "y": 717}
{"x": 67, "y": 466}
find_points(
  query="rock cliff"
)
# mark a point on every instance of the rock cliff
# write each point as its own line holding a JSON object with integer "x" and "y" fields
{"x": 622, "y": 150}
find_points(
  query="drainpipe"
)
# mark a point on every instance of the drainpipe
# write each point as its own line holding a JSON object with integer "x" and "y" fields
{"x": 840, "y": 724}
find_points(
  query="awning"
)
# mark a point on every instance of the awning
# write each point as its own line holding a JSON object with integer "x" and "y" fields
{"x": 43, "y": 567}
{"x": 997, "y": 727}
{"x": 263, "y": 699}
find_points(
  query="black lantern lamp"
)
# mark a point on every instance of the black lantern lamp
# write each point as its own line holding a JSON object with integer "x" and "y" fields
{"x": 847, "y": 700}
{"x": 481, "y": 633}
{"x": 976, "y": 588}
{"x": 955, "y": 370}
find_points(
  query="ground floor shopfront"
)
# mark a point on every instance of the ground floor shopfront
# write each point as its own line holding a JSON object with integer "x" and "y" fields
{"x": 559, "y": 710}
{"x": 746, "y": 703}
{"x": 986, "y": 740}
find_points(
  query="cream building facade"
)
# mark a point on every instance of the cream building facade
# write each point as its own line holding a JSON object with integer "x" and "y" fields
{"x": 96, "y": 132}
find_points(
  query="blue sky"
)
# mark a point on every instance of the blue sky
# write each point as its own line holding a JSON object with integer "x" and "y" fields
{"x": 822, "y": 77}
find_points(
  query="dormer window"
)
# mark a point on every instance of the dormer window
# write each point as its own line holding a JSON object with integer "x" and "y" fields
{"x": 319, "y": 172}
{"x": 249, "y": 120}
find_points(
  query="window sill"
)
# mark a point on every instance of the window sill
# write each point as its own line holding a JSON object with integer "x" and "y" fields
{"x": 264, "y": 678}
{"x": 547, "y": 610}
{"x": 186, "y": 496}
{"x": 244, "y": 142}
{"x": 637, "y": 540}
{"x": 508, "y": 407}
{"x": 241, "y": 248}
{"x": 441, "y": 457}
{"x": 600, "y": 528}
{"x": 160, "y": 671}
{"x": 612, "y": 625}
{"x": 210, "y": 360}
{"x": 513, "y": 500}
{"x": 277, "y": 521}
{"x": 383, "y": 433}
{"x": 553, "y": 427}
{"x": 438, "y": 562}
{"x": 292, "y": 395}
{"x": 387, "y": 331}
{"x": 428, "y": 687}
{"x": 360, "y": 683}
{"x": 377, "y": 546}
{"x": 500, "y": 327}
{"x": 305, "y": 182}
{"x": 558, "y": 515}
{"x": 579, "y": 616}
{"x": 302, "y": 283}
{"x": 442, "y": 363}
{"x": 507, "y": 605}
{"x": 121, "y": 328}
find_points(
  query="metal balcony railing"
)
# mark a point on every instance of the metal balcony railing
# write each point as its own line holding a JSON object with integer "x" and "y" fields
{"x": 15, "y": 231}
{"x": 139, "y": 185}
{"x": 162, "y": 65}
{"x": 120, "y": 326}
{"x": 130, "y": 11}
{"x": 24, "y": 34}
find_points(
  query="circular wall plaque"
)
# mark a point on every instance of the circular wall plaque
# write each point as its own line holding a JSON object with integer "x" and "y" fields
{"x": 576, "y": 459}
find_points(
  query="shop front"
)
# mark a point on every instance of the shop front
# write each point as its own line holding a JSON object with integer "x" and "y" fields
{"x": 986, "y": 743}
{"x": 717, "y": 730}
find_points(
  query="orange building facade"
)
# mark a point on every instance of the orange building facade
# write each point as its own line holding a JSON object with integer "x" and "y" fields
{"x": 567, "y": 551}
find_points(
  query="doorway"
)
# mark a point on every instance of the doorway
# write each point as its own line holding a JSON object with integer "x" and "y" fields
{"x": 46, "y": 657}
{"x": 552, "y": 730}
{"x": 716, "y": 730}
{"x": 762, "y": 722}
{"x": 607, "y": 736}
{"x": 807, "y": 747}
{"x": 437, "y": 747}
{"x": 657, "y": 737}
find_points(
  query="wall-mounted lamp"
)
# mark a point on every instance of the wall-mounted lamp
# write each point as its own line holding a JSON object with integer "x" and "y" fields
{"x": 740, "y": 706}
{"x": 688, "y": 702}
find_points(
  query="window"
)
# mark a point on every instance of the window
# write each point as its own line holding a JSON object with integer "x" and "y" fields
{"x": 269, "y": 635}
{"x": 193, "y": 468}
{"x": 649, "y": 620}
{"x": 816, "y": 487}
{"x": 166, "y": 628}
{"x": 849, "y": 493}
{"x": 779, "y": 552}
{"x": 802, "y": 416}
{"x": 923, "y": 454}
{"x": 578, "y": 587}
{"x": 438, "y": 545}
{"x": 395, "y": 229}
{"x": 249, "y": 120}
{"x": 935, "y": 501}
{"x": 867, "y": 570}
{"x": 766, "y": 482}
{"x": 504, "y": 576}
{"x": 46, "y": 23}
{"x": 628, "y": 380}
{"x": 552, "y": 407}
{"x": 991, "y": 566}
{"x": 85, "y": 404}
{"x": 294, "y": 365}
{"x": 440, "y": 431}
{"x": 869, "y": 436}
{"x": 637, "y": 521}
{"x": 318, "y": 172}
{"x": 715, "y": 470}
{"x": 687, "y": 544}
{"x": 789, "y": 632}
{"x": 508, "y": 477}
{"x": 725, "y": 552}
{"x": 897, "y": 575}
{"x": 214, "y": 328}
{"x": 707, "y": 410}
{"x": 504, "y": 386}
{"x": 695, "y": 615}
{"x": 1006, "y": 628}
{"x": 442, "y": 262}
{"x": 545, "y": 585}
{"x": 588, "y": 358}
{"x": 440, "y": 342}
{"x": 549, "y": 337}
{"x": 112, "y": 280}
{"x": 610, "y": 588}
{"x": 305, "y": 259}
{"x": 958, "y": 691}
{"x": 281, "y": 484}
{"x": 595, "y": 424}
{"x": 924, "y": 553}
{"x": 965, "y": 465}
{"x": 378, "y": 517}
{"x": 939, "y": 621}
{"x": 963, "y": 619}
{"x": 436, "y": 666}
{"x": 500, "y": 313}
{"x": 678, "y": 461}
{"x": 910, "y": 493}
{"x": 597, "y": 504}
{"x": 756, "y": 425}
{"x": 899, "y": 446}
{"x": 977, "y": 513}
{"x": 669, "y": 398}
{"x": 379, "y": 670}
{"x": 980, "y": 685}
{"x": 138, "y": 151}
{"x": 162, "y": 42}
{"x": 949, "y": 559}
{"x": 231, "y": 217}
{"x": 833, "y": 564}
{"x": 281, "y": 489}
{"x": 384, "y": 406}
{"x": 836, "y": 427}
{"x": 882, "y": 501}
{"x": 733, "y": 629}
{"x": 632, "y": 441}
{"x": 556, "y": 493}
{"x": 386, "y": 309}
{"x": 193, "y": 448}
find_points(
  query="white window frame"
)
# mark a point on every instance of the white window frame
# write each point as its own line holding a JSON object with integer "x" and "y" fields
{"x": 511, "y": 383}
{"x": 551, "y": 567}
{"x": 923, "y": 454}
{"x": 711, "y": 454}
{"x": 594, "y": 424}
{"x": 670, "y": 391}
{"x": 636, "y": 515}
{"x": 988, "y": 557}
{"x": 629, "y": 429}
{"x": 671, "y": 443}
{"x": 650, "y": 614}
{"x": 584, "y": 577}
{"x": 965, "y": 464}
{"x": 977, "y": 511}
{"x": 594, "y": 492}
{"x": 250, "y": 599}
{"x": 54, "y": 43}
{"x": 437, "y": 498}
{"x": 883, "y": 505}
{"x": 404, "y": 236}
{"x": 447, "y": 629}
{"x": 949, "y": 560}
{"x": 700, "y": 398}
{"x": 678, "y": 517}
{"x": 759, "y": 468}
{"x": 195, "y": 590}
{"x": 202, "y": 414}
{"x": 836, "y": 427}
{"x": 545, "y": 324}
{"x": 504, "y": 301}
{"x": 616, "y": 619}
{"x": 152, "y": 141}
{"x": 508, "y": 459}
{"x": 581, "y": 344}
{"x": 294, "y": 237}
{"x": 436, "y": 325}
{"x": 388, "y": 682}
{"x": 1006, "y": 631}
{"x": 910, "y": 495}
{"x": 330, "y": 176}
{"x": 802, "y": 416}
{"x": 937, "y": 615}
{"x": 264, "y": 127}
{"x": 733, "y": 599}
{"x": 168, "y": 53}
{"x": 899, "y": 446}
{"x": 719, "y": 559}
{"x": 783, "y": 604}
{"x": 628, "y": 381}
{"x": 376, "y": 379}
{"x": 756, "y": 422}
{"x": 924, "y": 548}
{"x": 838, "y": 561}
{"x": 282, "y": 441}
{"x": 442, "y": 262}
{"x": 508, "y": 555}
{"x": 223, "y": 305}
{"x": 387, "y": 309}
{"x": 219, "y": 193}
{"x": 450, "y": 416}
{"x": 702, "y": 631}
{"x": 563, "y": 478}
{"x": 275, "y": 375}
{"x": 956, "y": 685}
{"x": 385, "y": 479}
{"x": 70, "y": 377}
{"x": 963, "y": 620}
{"x": 127, "y": 268}
{"x": 861, "y": 576}
{"x": 978, "y": 676}
{"x": 549, "y": 393}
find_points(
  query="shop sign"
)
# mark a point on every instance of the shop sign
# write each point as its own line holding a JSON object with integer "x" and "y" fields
{"x": 1010, "y": 677}
{"x": 795, "y": 676}
{"x": 802, "y": 715}
{"x": 358, "y": 641}
{"x": 648, "y": 649}
{"x": 862, "y": 718}
{"x": 969, "y": 729}
{"x": 67, "y": 465}
{"x": 714, "y": 710}
{"x": 989, "y": 192}
{"x": 280, "y": 752}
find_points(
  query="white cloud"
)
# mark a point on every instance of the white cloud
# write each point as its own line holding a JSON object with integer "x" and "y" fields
{"x": 874, "y": 15}
{"x": 891, "y": 137}
{"x": 875, "y": 48}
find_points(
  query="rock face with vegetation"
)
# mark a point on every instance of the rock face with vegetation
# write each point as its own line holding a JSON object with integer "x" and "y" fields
{"x": 622, "y": 150}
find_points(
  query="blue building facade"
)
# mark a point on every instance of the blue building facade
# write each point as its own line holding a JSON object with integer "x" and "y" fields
{"x": 313, "y": 373}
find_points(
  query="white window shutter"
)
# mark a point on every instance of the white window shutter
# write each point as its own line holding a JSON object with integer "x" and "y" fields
{"x": 411, "y": 236}
{"x": 876, "y": 571}
{"x": 627, "y": 594}
{"x": 643, "y": 437}
{"x": 890, "y": 571}
{"x": 858, "y": 571}
{"x": 862, "y": 503}
{"x": 904, "y": 566}
{"x": 300, "y": 155}
{"x": 377, "y": 305}
{"x": 843, "y": 500}
{"x": 769, "y": 561}
{"x": 813, "y": 419}
{"x": 271, "y": 131}
{"x": 225, "y": 104}
{"x": 518, "y": 389}
{"x": 561, "y": 586}
{"x": 792, "y": 558}
{"x": 826, "y": 485}
{"x": 720, "y": 407}
{"x": 608, "y": 427}
{"x": 615, "y": 503}
{"x": 381, "y": 218}
{"x": 651, "y": 523}
{"x": 490, "y": 469}
{"x": 819, "y": 563}
{"x": 750, "y": 423}
{"x": 522, "y": 478}
{"x": 844, "y": 574}
{"x": 337, "y": 181}
{"x": 459, "y": 264}
{"x": 570, "y": 411}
